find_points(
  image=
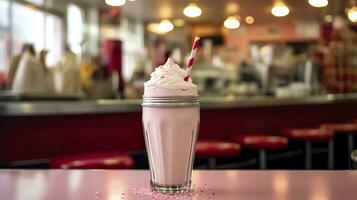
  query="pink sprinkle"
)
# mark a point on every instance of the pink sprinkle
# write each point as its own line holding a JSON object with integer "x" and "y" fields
{"x": 146, "y": 193}
{"x": 98, "y": 195}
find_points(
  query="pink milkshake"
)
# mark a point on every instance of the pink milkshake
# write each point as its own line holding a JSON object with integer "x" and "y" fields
{"x": 171, "y": 118}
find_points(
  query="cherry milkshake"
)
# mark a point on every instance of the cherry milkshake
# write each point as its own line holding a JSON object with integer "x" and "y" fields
{"x": 171, "y": 118}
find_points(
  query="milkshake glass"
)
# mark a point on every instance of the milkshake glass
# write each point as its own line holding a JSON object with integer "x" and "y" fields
{"x": 171, "y": 118}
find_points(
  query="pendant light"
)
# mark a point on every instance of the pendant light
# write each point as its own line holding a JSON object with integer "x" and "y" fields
{"x": 280, "y": 9}
{"x": 115, "y": 3}
{"x": 192, "y": 10}
{"x": 232, "y": 22}
{"x": 318, "y": 3}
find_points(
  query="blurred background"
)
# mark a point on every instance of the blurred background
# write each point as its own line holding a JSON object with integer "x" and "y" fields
{"x": 106, "y": 49}
{"x": 72, "y": 74}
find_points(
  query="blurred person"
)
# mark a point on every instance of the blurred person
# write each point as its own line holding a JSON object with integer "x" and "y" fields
{"x": 101, "y": 85}
{"x": 87, "y": 70}
{"x": 30, "y": 76}
{"x": 48, "y": 73}
{"x": 43, "y": 56}
{"x": 135, "y": 86}
{"x": 66, "y": 75}
{"x": 16, "y": 60}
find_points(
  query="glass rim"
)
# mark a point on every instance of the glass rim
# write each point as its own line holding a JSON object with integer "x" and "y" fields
{"x": 172, "y": 97}
{"x": 171, "y": 101}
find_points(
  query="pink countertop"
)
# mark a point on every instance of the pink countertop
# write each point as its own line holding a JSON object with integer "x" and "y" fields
{"x": 130, "y": 184}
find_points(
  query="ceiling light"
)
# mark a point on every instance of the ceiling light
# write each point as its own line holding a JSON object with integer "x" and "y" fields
{"x": 115, "y": 2}
{"x": 163, "y": 27}
{"x": 231, "y": 22}
{"x": 166, "y": 26}
{"x": 318, "y": 3}
{"x": 192, "y": 10}
{"x": 249, "y": 20}
{"x": 352, "y": 14}
{"x": 280, "y": 9}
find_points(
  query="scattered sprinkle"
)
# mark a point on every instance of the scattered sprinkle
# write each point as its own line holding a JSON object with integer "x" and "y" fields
{"x": 98, "y": 195}
{"x": 146, "y": 193}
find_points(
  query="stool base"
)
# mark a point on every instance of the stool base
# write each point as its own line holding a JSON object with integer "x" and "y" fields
{"x": 262, "y": 159}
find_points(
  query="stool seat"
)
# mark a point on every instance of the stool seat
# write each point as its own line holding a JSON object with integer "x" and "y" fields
{"x": 349, "y": 129}
{"x": 97, "y": 160}
{"x": 265, "y": 142}
{"x": 309, "y": 135}
{"x": 313, "y": 135}
{"x": 217, "y": 149}
{"x": 341, "y": 127}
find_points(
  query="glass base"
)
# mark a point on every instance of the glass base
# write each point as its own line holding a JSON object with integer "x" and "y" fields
{"x": 171, "y": 189}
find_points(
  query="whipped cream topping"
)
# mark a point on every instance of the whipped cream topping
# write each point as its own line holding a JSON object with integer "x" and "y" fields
{"x": 169, "y": 75}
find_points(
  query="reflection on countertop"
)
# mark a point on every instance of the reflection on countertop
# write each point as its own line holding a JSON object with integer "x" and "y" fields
{"x": 33, "y": 108}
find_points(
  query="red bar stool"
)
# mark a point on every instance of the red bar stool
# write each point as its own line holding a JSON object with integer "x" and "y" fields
{"x": 343, "y": 128}
{"x": 216, "y": 149}
{"x": 309, "y": 136}
{"x": 263, "y": 143}
{"x": 97, "y": 160}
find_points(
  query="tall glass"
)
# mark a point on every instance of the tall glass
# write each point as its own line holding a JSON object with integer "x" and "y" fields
{"x": 171, "y": 129}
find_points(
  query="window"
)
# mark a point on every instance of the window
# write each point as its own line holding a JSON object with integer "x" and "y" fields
{"x": 28, "y": 27}
{"x": 132, "y": 35}
{"x": 4, "y": 13}
{"x": 4, "y": 34}
{"x": 37, "y": 2}
{"x": 75, "y": 28}
{"x": 53, "y": 39}
{"x": 4, "y": 53}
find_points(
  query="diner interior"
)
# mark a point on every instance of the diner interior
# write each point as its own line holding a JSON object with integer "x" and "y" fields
{"x": 276, "y": 80}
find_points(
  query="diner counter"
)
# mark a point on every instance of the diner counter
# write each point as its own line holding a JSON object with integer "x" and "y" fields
{"x": 70, "y": 127}
{"x": 207, "y": 185}
{"x": 34, "y": 108}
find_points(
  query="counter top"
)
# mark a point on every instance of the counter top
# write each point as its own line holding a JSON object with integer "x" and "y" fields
{"x": 208, "y": 185}
{"x": 33, "y": 108}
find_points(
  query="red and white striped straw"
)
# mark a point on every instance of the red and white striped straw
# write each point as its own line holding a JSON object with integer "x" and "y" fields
{"x": 192, "y": 58}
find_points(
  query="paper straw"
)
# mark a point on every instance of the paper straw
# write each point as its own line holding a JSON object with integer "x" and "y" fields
{"x": 192, "y": 58}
